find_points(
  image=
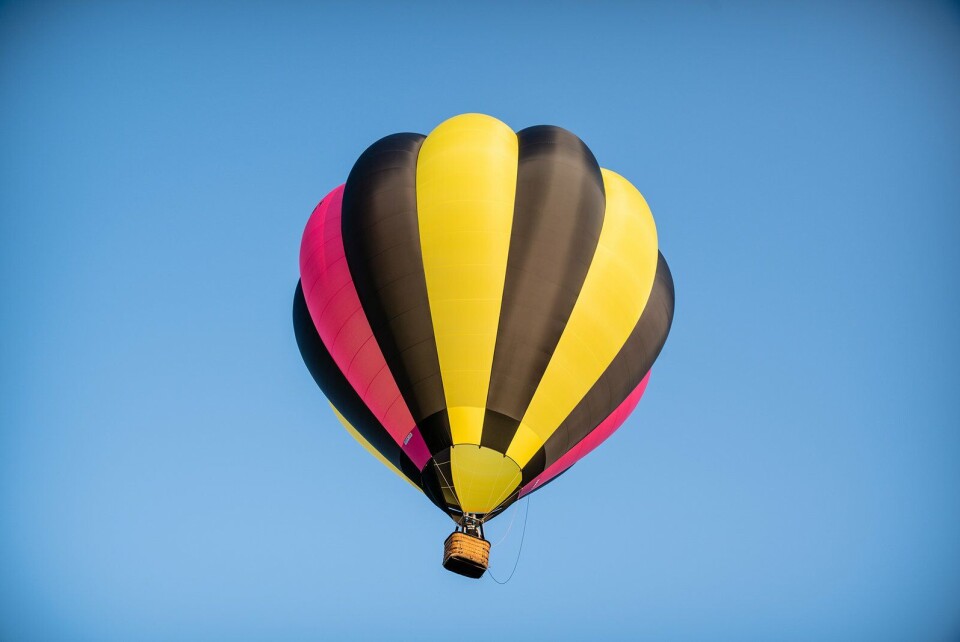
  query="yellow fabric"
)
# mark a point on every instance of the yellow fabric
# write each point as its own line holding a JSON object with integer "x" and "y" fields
{"x": 466, "y": 182}
{"x": 366, "y": 444}
{"x": 614, "y": 294}
{"x": 482, "y": 477}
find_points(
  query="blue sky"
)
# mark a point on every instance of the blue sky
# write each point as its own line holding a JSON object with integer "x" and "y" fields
{"x": 168, "y": 470}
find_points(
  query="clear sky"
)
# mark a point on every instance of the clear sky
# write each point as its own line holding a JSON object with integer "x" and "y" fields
{"x": 169, "y": 471}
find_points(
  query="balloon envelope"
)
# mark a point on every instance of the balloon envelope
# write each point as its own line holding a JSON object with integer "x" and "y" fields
{"x": 481, "y": 307}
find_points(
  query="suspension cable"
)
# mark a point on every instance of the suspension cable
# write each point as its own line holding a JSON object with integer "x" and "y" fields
{"x": 523, "y": 533}
{"x": 513, "y": 518}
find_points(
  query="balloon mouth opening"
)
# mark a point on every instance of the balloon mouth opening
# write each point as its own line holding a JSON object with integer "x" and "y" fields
{"x": 471, "y": 481}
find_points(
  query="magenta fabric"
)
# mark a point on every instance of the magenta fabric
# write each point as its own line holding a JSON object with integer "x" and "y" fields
{"x": 417, "y": 450}
{"x": 342, "y": 325}
{"x": 596, "y": 437}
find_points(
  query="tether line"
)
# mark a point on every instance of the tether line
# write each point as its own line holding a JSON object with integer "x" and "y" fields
{"x": 526, "y": 513}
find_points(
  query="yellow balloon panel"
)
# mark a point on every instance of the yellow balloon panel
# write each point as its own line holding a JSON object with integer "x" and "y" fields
{"x": 483, "y": 477}
{"x": 466, "y": 181}
{"x": 613, "y": 296}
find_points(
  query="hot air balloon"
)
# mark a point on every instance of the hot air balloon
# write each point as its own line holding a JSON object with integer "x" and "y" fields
{"x": 482, "y": 308}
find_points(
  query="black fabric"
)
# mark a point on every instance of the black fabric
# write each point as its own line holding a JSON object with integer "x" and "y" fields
{"x": 437, "y": 481}
{"x": 558, "y": 215}
{"x": 341, "y": 394}
{"x": 625, "y": 372}
{"x": 534, "y": 467}
{"x": 436, "y": 432}
{"x": 381, "y": 239}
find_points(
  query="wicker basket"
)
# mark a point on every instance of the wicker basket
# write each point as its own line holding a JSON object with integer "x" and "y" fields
{"x": 466, "y": 555}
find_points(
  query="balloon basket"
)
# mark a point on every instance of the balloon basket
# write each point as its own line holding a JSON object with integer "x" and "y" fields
{"x": 466, "y": 555}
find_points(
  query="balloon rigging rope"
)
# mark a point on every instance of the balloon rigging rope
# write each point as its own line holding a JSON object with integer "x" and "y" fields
{"x": 513, "y": 518}
{"x": 447, "y": 482}
{"x": 526, "y": 513}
